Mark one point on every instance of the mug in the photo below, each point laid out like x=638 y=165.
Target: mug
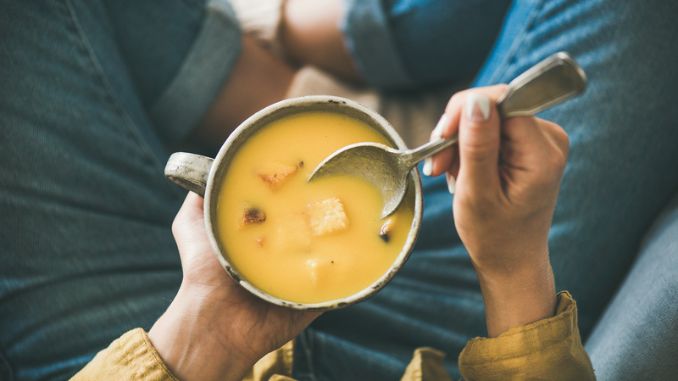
x=203 y=175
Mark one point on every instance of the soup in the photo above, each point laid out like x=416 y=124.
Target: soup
x=306 y=242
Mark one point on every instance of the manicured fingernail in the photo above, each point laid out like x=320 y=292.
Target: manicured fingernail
x=438 y=130
x=477 y=107
x=451 y=183
x=428 y=166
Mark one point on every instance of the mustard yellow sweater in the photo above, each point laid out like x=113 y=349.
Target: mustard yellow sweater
x=548 y=349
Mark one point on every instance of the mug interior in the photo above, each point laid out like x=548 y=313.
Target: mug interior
x=280 y=110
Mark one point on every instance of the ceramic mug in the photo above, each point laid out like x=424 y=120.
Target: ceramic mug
x=203 y=175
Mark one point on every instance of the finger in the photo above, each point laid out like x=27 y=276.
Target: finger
x=523 y=130
x=556 y=134
x=452 y=174
x=433 y=166
x=188 y=227
x=307 y=317
x=556 y=157
x=448 y=126
x=479 y=140
x=535 y=140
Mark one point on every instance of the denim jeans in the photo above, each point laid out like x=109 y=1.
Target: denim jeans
x=621 y=171
x=93 y=96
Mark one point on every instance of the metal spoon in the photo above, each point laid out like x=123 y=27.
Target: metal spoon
x=547 y=83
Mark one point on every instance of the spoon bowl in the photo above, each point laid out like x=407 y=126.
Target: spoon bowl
x=376 y=163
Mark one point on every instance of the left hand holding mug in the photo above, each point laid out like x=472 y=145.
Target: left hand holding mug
x=214 y=329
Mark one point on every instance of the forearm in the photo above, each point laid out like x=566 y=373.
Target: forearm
x=517 y=298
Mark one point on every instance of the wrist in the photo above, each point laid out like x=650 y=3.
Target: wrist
x=517 y=297
x=507 y=257
x=188 y=339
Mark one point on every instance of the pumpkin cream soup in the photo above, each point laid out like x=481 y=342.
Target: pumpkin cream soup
x=301 y=242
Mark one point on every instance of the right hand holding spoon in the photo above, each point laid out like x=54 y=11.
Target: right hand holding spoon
x=505 y=177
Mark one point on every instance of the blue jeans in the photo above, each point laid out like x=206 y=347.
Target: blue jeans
x=621 y=171
x=93 y=97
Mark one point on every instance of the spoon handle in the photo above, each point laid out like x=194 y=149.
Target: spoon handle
x=545 y=84
x=411 y=157
x=551 y=81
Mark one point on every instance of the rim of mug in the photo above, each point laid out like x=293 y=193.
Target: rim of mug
x=259 y=120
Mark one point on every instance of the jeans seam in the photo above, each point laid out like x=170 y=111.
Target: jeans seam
x=109 y=93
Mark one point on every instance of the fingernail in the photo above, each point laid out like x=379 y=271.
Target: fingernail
x=451 y=183
x=428 y=167
x=477 y=107
x=438 y=130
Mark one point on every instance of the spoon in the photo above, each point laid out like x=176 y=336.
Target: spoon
x=545 y=84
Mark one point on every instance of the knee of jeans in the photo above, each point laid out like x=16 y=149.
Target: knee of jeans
x=5 y=369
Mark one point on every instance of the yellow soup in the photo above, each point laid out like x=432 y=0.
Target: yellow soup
x=302 y=242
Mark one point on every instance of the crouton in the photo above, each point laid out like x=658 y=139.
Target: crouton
x=252 y=215
x=326 y=216
x=275 y=174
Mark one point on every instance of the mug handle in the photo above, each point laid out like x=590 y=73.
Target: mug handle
x=189 y=171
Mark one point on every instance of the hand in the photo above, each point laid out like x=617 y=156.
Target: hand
x=507 y=180
x=214 y=329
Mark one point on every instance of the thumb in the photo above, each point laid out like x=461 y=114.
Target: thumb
x=479 y=141
x=189 y=227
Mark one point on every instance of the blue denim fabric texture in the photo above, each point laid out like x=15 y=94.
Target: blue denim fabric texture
x=646 y=303
x=401 y=44
x=86 y=251
x=89 y=94
x=621 y=171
